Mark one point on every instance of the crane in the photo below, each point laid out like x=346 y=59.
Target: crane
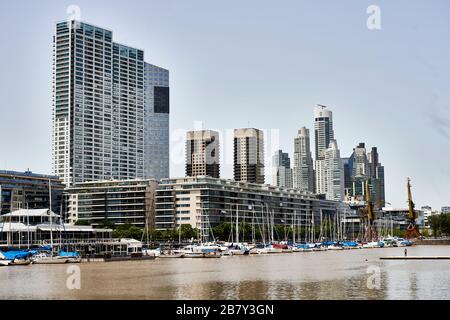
x=412 y=231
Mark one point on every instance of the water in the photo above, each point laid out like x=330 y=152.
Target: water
x=311 y=275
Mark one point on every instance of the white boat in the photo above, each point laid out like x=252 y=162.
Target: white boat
x=3 y=261
x=150 y=252
x=238 y=249
x=370 y=245
x=335 y=247
x=44 y=258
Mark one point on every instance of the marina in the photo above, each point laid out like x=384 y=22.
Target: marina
x=260 y=276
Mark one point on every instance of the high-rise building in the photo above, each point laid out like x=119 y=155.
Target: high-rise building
x=334 y=173
x=99 y=106
x=323 y=131
x=303 y=171
x=347 y=176
x=249 y=155
x=202 y=153
x=282 y=172
x=156 y=139
x=360 y=168
x=364 y=167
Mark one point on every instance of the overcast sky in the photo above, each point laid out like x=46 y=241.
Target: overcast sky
x=235 y=63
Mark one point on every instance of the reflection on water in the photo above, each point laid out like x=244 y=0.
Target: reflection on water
x=316 y=275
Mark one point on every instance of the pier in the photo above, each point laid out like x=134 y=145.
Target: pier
x=416 y=258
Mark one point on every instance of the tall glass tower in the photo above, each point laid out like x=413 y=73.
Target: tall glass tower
x=99 y=108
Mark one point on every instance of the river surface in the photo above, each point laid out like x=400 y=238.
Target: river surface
x=348 y=274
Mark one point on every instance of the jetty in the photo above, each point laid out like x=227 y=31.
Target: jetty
x=416 y=258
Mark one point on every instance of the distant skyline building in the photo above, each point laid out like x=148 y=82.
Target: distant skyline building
x=334 y=173
x=445 y=209
x=362 y=167
x=202 y=153
x=303 y=171
x=282 y=172
x=323 y=132
x=100 y=107
x=249 y=155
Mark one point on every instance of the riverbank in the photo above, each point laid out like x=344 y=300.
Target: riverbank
x=433 y=242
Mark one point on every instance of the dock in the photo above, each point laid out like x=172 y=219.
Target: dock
x=416 y=258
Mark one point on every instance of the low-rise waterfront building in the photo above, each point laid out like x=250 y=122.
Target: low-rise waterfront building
x=204 y=202
x=115 y=202
x=28 y=190
x=28 y=228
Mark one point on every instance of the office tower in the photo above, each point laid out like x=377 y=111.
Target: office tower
x=249 y=155
x=364 y=167
x=376 y=176
x=323 y=127
x=156 y=138
x=347 y=177
x=202 y=153
x=334 y=173
x=303 y=172
x=99 y=109
x=360 y=168
x=323 y=131
x=282 y=172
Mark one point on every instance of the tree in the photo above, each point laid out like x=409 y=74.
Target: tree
x=440 y=224
x=128 y=231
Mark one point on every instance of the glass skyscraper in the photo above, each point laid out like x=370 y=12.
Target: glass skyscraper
x=100 y=107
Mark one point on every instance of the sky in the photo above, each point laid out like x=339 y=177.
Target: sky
x=262 y=64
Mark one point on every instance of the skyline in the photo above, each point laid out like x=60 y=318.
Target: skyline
x=238 y=82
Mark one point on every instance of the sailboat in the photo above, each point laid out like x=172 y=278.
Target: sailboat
x=46 y=257
x=237 y=248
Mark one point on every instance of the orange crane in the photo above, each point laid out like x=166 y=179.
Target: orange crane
x=368 y=214
x=412 y=231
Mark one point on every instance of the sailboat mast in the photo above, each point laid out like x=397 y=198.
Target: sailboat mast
x=50 y=211
x=237 y=223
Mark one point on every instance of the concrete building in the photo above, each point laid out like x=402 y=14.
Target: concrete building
x=334 y=173
x=203 y=202
x=445 y=210
x=21 y=190
x=100 y=116
x=282 y=172
x=114 y=202
x=303 y=171
x=249 y=155
x=428 y=212
x=202 y=153
x=323 y=130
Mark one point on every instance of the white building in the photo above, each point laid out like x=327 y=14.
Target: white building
x=303 y=171
x=323 y=128
x=100 y=116
x=334 y=173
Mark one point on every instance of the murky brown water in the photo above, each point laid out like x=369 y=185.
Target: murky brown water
x=315 y=275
